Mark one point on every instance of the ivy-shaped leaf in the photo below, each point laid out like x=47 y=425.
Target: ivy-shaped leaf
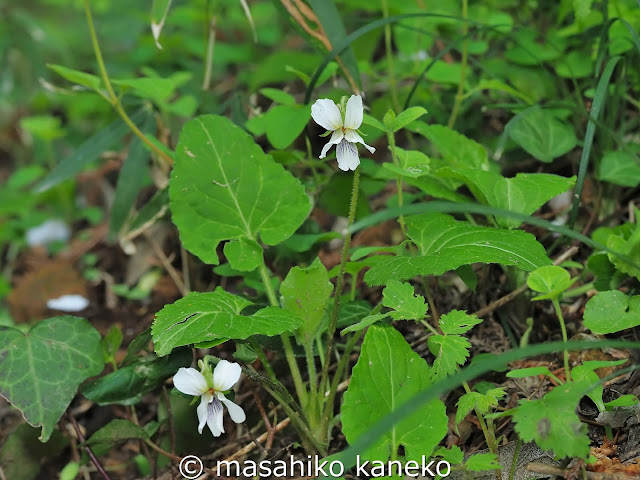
x=401 y=297
x=224 y=187
x=215 y=315
x=40 y=371
x=446 y=243
x=388 y=374
x=552 y=421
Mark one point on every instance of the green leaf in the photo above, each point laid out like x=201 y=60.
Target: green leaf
x=305 y=292
x=622 y=401
x=619 y=168
x=22 y=455
x=40 y=371
x=116 y=431
x=373 y=122
x=285 y=123
x=450 y=351
x=215 y=315
x=541 y=134
x=130 y=383
x=413 y=164
x=223 y=187
x=159 y=12
x=156 y=89
x=552 y=281
x=627 y=242
x=111 y=343
x=552 y=421
x=525 y=193
x=75 y=76
x=364 y=323
x=530 y=372
x=457 y=321
x=401 y=297
x=278 y=96
x=582 y=373
x=481 y=462
x=302 y=242
x=575 y=64
x=244 y=254
x=389 y=373
x=611 y=312
x=408 y=116
x=445 y=244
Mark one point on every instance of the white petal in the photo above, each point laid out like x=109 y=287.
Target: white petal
x=68 y=303
x=49 y=232
x=225 y=375
x=214 y=417
x=347 y=154
x=326 y=114
x=353 y=117
x=190 y=381
x=353 y=137
x=334 y=140
x=235 y=411
x=202 y=413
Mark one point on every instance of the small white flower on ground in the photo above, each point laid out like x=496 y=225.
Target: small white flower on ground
x=68 y=303
x=48 y=232
x=210 y=387
x=344 y=131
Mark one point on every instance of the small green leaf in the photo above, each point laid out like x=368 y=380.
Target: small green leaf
x=111 y=343
x=457 y=321
x=408 y=116
x=373 y=122
x=215 y=315
x=285 y=123
x=446 y=243
x=364 y=323
x=244 y=254
x=552 y=421
x=622 y=401
x=388 y=374
x=223 y=187
x=305 y=292
x=303 y=242
x=156 y=89
x=530 y=372
x=481 y=462
x=620 y=168
x=116 y=431
x=278 y=96
x=401 y=297
x=451 y=351
x=552 y=281
x=75 y=76
x=389 y=120
x=611 y=312
x=413 y=164
x=541 y=134
x=40 y=371
x=582 y=373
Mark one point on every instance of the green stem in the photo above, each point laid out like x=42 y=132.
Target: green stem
x=333 y=318
x=313 y=401
x=112 y=97
x=489 y=436
x=556 y=306
x=392 y=146
x=301 y=391
x=463 y=67
x=390 y=61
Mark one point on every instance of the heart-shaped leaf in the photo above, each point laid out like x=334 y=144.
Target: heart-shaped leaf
x=224 y=187
x=550 y=280
x=215 y=315
x=611 y=312
x=40 y=371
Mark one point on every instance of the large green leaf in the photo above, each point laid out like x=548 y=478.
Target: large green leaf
x=40 y=371
x=611 y=312
x=445 y=244
x=541 y=134
x=389 y=373
x=524 y=193
x=305 y=292
x=620 y=168
x=202 y=317
x=224 y=187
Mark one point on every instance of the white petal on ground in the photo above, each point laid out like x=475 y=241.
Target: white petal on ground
x=347 y=154
x=235 y=411
x=68 y=303
x=353 y=137
x=190 y=381
x=225 y=375
x=335 y=139
x=48 y=232
x=353 y=116
x=326 y=114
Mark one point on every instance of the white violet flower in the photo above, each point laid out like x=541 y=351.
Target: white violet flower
x=344 y=132
x=210 y=387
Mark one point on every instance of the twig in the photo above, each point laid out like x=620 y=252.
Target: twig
x=166 y=264
x=267 y=423
x=250 y=446
x=87 y=449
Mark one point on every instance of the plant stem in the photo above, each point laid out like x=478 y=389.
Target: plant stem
x=389 y=53
x=286 y=343
x=392 y=146
x=112 y=97
x=463 y=67
x=556 y=306
x=489 y=436
x=333 y=318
